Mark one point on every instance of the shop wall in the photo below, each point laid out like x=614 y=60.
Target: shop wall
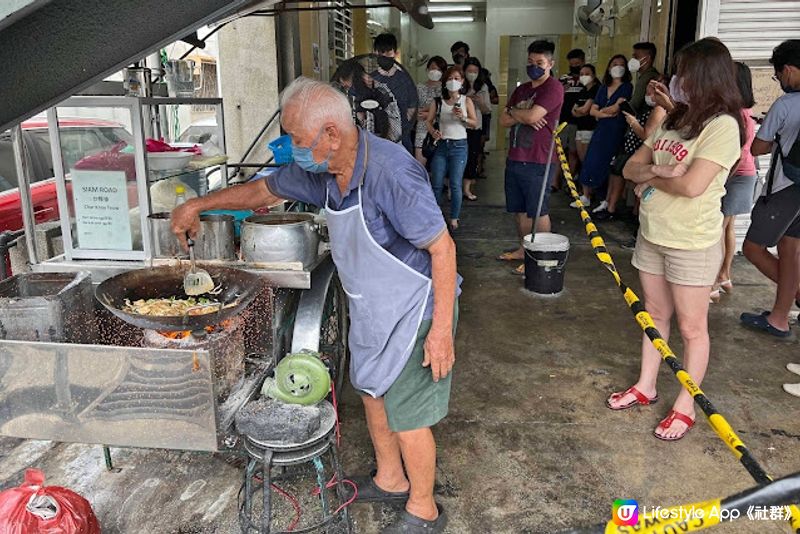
x=505 y=18
x=248 y=75
x=627 y=31
x=437 y=42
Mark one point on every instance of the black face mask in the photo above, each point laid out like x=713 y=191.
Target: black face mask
x=574 y=70
x=458 y=59
x=385 y=63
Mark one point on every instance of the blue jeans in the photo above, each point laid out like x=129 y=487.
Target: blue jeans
x=449 y=160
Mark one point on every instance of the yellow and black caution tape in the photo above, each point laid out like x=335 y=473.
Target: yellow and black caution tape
x=759 y=503
x=717 y=421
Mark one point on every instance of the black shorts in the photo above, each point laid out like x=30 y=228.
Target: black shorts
x=486 y=124
x=775 y=216
x=524 y=183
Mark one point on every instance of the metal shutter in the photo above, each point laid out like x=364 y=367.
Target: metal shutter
x=751 y=29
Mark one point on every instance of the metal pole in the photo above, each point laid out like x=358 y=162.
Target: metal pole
x=22 y=163
x=545 y=184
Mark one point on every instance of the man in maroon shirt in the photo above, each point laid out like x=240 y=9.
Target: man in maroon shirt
x=532 y=113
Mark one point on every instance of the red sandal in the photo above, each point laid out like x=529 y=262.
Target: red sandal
x=666 y=423
x=640 y=398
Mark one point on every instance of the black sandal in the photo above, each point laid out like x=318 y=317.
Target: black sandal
x=368 y=491
x=410 y=524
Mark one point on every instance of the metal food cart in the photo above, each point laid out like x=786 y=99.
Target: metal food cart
x=115 y=384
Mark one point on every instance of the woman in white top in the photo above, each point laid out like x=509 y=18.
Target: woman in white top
x=478 y=92
x=448 y=120
x=427 y=92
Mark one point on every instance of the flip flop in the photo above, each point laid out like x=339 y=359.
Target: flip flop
x=471 y=198
x=640 y=398
x=410 y=524
x=666 y=423
x=519 y=271
x=760 y=323
x=368 y=491
x=507 y=256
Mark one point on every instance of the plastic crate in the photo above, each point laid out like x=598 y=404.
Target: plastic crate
x=282 y=148
x=55 y=307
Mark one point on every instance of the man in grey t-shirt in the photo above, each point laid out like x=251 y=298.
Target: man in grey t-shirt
x=776 y=215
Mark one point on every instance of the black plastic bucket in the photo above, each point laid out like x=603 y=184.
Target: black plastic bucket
x=545 y=263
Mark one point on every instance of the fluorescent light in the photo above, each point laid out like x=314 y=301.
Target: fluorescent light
x=449 y=9
x=375 y=22
x=454 y=19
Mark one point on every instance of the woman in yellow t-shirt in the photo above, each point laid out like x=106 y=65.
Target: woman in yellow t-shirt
x=680 y=174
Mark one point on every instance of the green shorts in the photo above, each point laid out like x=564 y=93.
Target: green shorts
x=415 y=400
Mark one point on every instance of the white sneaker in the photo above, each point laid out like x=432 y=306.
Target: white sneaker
x=794 y=368
x=585 y=201
x=792 y=389
x=600 y=207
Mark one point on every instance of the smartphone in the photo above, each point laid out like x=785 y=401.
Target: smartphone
x=627 y=108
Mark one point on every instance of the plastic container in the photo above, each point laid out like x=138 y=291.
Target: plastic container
x=545 y=263
x=282 y=148
x=180 y=195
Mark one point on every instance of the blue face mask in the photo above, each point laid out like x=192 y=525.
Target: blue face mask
x=304 y=157
x=535 y=72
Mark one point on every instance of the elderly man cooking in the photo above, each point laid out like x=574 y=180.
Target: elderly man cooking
x=397 y=264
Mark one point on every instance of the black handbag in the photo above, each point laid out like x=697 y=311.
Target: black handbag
x=429 y=144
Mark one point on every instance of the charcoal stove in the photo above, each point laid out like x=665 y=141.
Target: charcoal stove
x=142 y=388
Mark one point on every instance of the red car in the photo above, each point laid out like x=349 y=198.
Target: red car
x=79 y=138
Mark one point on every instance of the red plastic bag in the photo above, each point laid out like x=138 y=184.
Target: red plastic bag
x=111 y=160
x=34 y=508
x=158 y=145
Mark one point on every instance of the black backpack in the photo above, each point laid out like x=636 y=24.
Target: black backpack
x=789 y=162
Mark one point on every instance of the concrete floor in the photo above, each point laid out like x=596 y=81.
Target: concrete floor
x=529 y=446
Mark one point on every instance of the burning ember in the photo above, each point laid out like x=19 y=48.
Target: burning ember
x=211 y=329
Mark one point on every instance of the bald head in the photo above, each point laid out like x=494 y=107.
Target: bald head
x=309 y=105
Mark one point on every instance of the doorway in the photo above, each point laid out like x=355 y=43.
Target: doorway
x=683 y=28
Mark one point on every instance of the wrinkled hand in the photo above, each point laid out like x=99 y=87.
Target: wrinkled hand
x=538 y=125
x=440 y=354
x=185 y=219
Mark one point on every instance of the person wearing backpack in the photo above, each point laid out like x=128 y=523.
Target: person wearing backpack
x=776 y=215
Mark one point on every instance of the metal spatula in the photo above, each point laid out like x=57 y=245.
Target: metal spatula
x=197 y=281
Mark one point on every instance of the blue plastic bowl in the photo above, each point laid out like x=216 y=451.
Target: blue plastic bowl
x=282 y=148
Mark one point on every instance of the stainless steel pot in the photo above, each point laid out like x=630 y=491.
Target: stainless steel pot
x=214 y=242
x=280 y=237
x=165 y=244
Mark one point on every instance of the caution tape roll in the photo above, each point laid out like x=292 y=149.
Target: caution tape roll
x=646 y=323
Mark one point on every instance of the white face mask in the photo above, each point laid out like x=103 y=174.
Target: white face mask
x=585 y=80
x=649 y=101
x=617 y=71
x=472 y=76
x=434 y=75
x=634 y=64
x=453 y=85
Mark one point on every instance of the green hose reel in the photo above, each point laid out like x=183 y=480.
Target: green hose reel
x=300 y=378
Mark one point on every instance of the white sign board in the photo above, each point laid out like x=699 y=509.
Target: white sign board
x=101 y=210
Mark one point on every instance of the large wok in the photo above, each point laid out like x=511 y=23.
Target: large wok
x=239 y=288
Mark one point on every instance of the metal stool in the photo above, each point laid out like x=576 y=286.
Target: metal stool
x=280 y=454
